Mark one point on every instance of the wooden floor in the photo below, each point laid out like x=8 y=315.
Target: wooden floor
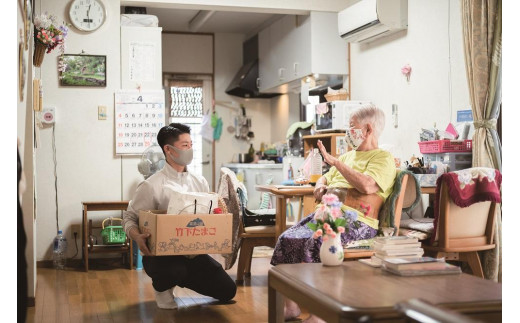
x=122 y=295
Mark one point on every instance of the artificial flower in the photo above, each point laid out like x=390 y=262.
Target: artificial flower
x=329 y=219
x=406 y=70
x=49 y=33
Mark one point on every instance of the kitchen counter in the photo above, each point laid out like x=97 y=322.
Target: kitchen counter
x=253 y=166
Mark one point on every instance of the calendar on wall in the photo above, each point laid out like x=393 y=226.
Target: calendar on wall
x=139 y=115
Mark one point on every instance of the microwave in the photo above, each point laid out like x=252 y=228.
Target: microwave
x=334 y=117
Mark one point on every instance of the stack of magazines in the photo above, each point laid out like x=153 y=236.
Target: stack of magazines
x=394 y=247
x=419 y=266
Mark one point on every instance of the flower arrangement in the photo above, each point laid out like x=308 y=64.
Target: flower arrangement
x=49 y=33
x=330 y=218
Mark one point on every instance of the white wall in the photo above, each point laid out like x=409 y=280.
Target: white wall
x=228 y=60
x=433 y=46
x=285 y=111
x=87 y=169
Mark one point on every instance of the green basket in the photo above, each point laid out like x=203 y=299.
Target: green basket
x=113 y=234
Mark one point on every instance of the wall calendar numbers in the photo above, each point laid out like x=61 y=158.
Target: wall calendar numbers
x=139 y=115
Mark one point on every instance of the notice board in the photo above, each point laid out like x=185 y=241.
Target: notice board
x=139 y=115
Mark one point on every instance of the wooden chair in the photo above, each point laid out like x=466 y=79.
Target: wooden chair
x=251 y=237
x=462 y=232
x=406 y=198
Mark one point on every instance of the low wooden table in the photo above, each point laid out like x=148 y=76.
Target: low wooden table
x=352 y=290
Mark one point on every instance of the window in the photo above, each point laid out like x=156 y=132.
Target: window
x=190 y=99
x=186 y=107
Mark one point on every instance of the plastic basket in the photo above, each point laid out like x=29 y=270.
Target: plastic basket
x=113 y=234
x=445 y=146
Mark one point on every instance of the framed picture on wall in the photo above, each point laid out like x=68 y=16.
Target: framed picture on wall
x=82 y=70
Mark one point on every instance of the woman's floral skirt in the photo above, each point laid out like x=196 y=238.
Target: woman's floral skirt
x=296 y=245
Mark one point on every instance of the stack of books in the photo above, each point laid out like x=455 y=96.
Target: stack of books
x=394 y=247
x=419 y=266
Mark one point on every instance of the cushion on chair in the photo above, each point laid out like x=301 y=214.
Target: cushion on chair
x=414 y=234
x=412 y=198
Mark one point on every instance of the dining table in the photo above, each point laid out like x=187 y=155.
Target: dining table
x=282 y=193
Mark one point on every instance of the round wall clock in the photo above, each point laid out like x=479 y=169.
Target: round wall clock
x=87 y=15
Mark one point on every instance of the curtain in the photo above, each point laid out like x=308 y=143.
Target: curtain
x=482 y=33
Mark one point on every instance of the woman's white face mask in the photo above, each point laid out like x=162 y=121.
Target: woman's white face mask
x=354 y=137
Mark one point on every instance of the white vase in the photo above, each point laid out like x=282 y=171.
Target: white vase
x=331 y=251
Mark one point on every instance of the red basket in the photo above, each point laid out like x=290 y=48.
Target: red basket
x=444 y=146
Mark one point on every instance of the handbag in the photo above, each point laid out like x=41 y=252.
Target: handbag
x=251 y=218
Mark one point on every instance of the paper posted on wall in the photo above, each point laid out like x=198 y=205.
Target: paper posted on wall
x=191 y=202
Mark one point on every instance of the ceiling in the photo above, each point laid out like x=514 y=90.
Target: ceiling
x=207 y=21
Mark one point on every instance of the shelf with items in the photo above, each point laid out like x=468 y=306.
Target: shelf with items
x=334 y=143
x=90 y=245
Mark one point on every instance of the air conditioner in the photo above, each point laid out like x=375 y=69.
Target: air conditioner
x=368 y=20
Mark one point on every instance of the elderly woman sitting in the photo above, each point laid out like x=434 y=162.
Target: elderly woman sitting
x=362 y=178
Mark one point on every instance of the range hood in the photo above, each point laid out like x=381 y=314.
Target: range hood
x=244 y=83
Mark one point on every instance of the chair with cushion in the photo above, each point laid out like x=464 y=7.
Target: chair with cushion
x=252 y=236
x=405 y=196
x=464 y=210
x=248 y=231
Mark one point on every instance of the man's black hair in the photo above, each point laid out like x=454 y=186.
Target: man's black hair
x=169 y=134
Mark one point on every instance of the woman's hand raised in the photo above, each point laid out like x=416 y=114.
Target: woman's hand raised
x=328 y=158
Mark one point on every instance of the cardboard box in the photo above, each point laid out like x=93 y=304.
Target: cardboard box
x=186 y=234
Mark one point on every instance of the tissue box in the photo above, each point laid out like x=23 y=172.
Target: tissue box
x=427 y=180
x=186 y=234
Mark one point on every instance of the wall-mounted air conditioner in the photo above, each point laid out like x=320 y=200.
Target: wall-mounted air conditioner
x=368 y=20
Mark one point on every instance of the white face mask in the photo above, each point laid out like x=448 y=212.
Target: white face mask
x=185 y=156
x=354 y=137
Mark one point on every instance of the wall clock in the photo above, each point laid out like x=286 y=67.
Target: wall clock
x=87 y=15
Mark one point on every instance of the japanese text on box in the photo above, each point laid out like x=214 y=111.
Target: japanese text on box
x=139 y=115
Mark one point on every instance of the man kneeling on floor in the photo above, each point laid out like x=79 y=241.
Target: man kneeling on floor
x=200 y=273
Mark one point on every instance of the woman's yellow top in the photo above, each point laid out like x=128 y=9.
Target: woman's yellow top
x=378 y=164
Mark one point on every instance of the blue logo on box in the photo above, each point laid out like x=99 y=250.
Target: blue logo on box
x=464 y=116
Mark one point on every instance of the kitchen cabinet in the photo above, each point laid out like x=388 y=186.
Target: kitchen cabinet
x=297 y=46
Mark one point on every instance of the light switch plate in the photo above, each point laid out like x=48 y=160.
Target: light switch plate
x=102 y=112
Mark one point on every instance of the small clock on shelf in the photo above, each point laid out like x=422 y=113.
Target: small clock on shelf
x=87 y=15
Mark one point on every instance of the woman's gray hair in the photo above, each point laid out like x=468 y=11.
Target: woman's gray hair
x=370 y=114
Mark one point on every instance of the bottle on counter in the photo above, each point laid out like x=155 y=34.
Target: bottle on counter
x=290 y=172
x=251 y=154
x=262 y=150
x=316 y=166
x=59 y=251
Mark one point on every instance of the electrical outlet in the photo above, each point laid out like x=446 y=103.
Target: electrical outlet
x=75 y=228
